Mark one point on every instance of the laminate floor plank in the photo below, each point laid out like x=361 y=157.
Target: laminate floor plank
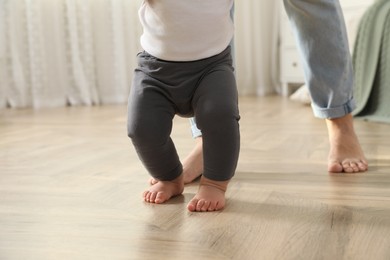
x=71 y=185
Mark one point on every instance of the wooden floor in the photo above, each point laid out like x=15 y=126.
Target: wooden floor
x=71 y=184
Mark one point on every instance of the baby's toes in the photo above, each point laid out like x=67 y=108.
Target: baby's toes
x=199 y=205
x=205 y=206
x=160 y=198
x=192 y=205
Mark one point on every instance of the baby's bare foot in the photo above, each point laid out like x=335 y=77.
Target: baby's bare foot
x=162 y=191
x=346 y=154
x=192 y=164
x=210 y=196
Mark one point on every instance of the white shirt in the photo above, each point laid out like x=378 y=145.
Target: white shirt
x=185 y=30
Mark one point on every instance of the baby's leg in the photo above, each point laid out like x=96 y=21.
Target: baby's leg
x=216 y=112
x=150 y=117
x=210 y=196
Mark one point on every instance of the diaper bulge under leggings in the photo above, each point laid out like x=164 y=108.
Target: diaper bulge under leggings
x=205 y=89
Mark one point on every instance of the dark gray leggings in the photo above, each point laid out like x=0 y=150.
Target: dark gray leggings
x=205 y=89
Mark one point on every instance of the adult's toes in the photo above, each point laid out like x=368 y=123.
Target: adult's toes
x=335 y=167
x=347 y=167
x=354 y=166
x=362 y=166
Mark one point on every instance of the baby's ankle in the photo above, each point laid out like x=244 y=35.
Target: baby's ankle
x=220 y=185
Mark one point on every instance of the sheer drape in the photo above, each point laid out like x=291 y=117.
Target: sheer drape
x=71 y=52
x=54 y=53
x=256 y=39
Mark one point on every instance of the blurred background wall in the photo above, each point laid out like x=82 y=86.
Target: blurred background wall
x=69 y=52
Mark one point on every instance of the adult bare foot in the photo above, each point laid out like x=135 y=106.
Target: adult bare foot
x=192 y=164
x=346 y=154
x=162 y=191
x=210 y=196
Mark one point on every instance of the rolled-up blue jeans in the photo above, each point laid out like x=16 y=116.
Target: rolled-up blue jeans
x=320 y=32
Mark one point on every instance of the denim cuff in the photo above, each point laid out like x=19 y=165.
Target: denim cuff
x=194 y=129
x=334 y=112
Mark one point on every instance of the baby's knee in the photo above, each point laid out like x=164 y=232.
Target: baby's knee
x=133 y=132
x=219 y=116
x=146 y=134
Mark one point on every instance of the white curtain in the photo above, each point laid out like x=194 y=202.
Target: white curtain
x=256 y=39
x=72 y=52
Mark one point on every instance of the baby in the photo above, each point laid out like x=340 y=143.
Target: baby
x=186 y=70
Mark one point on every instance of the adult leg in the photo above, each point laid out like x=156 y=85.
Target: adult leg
x=150 y=117
x=320 y=31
